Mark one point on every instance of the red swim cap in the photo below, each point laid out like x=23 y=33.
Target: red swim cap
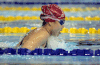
x=51 y=13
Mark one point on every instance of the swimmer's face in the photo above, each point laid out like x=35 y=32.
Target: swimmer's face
x=56 y=28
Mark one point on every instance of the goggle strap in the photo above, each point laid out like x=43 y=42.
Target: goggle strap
x=50 y=18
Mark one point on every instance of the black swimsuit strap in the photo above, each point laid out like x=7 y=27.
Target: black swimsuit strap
x=22 y=40
x=45 y=45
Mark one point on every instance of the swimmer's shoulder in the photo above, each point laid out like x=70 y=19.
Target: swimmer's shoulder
x=32 y=32
x=25 y=37
x=37 y=30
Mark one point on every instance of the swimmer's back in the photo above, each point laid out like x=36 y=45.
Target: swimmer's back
x=25 y=37
x=31 y=36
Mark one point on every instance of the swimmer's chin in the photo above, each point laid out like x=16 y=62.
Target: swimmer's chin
x=56 y=35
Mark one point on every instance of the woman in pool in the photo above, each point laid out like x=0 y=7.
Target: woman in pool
x=53 y=19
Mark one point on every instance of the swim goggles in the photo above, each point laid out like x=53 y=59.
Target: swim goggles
x=60 y=21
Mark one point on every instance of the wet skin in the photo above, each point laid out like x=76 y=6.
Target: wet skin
x=39 y=36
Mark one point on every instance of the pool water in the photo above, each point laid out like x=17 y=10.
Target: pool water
x=11 y=40
x=50 y=59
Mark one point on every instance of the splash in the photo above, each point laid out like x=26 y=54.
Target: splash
x=55 y=42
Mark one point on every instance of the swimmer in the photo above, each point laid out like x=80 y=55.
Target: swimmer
x=53 y=22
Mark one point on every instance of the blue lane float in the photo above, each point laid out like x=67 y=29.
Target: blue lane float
x=1 y=51
x=50 y=52
x=44 y=3
x=80 y=52
x=89 y=52
x=23 y=51
x=10 y=51
x=61 y=52
x=73 y=52
x=36 y=52
x=97 y=52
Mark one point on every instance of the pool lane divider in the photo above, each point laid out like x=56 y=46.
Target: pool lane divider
x=64 y=30
x=30 y=18
x=49 y=52
x=65 y=9
x=45 y=3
